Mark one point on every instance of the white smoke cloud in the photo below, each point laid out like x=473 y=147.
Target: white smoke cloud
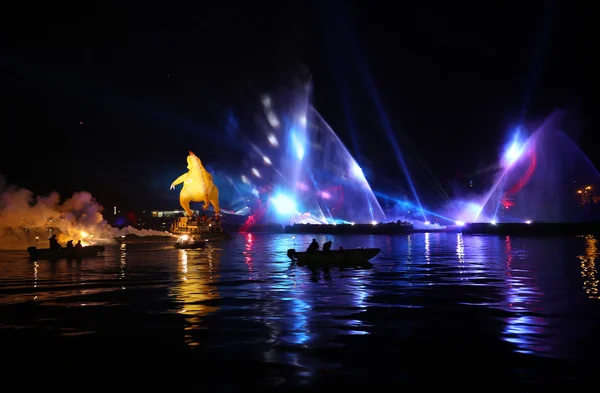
x=25 y=216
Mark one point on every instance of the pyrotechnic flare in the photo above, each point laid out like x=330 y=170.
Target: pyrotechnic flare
x=25 y=218
x=198 y=186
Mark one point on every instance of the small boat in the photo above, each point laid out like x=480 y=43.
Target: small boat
x=64 y=253
x=190 y=245
x=184 y=242
x=350 y=256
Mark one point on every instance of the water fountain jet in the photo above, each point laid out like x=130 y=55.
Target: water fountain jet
x=548 y=178
x=302 y=160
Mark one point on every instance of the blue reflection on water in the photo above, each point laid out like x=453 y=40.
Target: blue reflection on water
x=360 y=293
x=524 y=330
x=300 y=331
x=244 y=295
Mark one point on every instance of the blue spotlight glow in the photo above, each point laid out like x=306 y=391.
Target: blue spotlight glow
x=357 y=171
x=514 y=151
x=298 y=146
x=302 y=171
x=284 y=204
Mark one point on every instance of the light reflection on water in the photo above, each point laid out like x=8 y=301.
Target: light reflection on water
x=245 y=295
x=589 y=272
x=523 y=329
x=195 y=291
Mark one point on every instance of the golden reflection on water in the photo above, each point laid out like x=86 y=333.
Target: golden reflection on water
x=123 y=263
x=35 y=278
x=589 y=272
x=43 y=277
x=197 y=271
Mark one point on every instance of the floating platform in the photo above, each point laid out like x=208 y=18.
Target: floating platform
x=350 y=229
x=200 y=229
x=532 y=229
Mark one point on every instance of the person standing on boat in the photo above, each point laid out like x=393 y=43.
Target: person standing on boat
x=78 y=245
x=314 y=246
x=54 y=243
x=70 y=245
x=327 y=246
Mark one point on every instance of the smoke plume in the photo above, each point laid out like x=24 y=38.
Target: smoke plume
x=25 y=217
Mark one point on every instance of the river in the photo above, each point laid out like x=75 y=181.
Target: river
x=433 y=309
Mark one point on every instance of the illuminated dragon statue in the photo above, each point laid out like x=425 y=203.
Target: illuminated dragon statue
x=198 y=186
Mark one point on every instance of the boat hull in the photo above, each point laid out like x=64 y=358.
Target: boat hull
x=190 y=246
x=350 y=256
x=63 y=253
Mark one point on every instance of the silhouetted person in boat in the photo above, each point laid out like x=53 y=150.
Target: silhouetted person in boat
x=78 y=245
x=70 y=245
x=341 y=248
x=314 y=246
x=327 y=246
x=54 y=243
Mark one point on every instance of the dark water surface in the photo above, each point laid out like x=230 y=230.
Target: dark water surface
x=439 y=309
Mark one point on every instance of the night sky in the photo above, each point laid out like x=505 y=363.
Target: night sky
x=109 y=99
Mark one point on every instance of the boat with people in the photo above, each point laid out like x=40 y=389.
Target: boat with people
x=185 y=242
x=341 y=256
x=64 y=253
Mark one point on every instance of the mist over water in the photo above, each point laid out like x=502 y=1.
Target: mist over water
x=25 y=216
